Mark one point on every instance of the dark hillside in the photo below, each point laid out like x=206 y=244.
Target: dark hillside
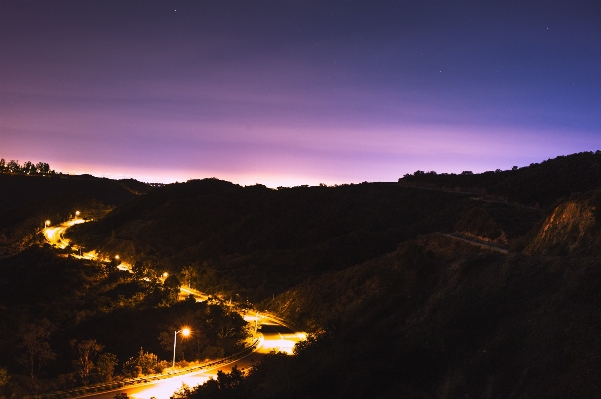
x=438 y=318
x=20 y=191
x=447 y=286
x=77 y=299
x=26 y=201
x=538 y=184
x=135 y=186
x=443 y=315
x=256 y=241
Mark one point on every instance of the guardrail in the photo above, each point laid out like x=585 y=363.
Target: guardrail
x=89 y=390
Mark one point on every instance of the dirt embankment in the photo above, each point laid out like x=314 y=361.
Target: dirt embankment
x=569 y=228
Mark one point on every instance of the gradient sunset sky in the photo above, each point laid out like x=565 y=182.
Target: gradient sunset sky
x=297 y=92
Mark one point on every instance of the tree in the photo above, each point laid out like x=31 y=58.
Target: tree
x=86 y=352
x=13 y=166
x=4 y=377
x=2 y=165
x=106 y=366
x=172 y=282
x=171 y=286
x=145 y=363
x=166 y=340
x=189 y=275
x=142 y=269
x=227 y=385
x=37 y=349
x=42 y=168
x=28 y=168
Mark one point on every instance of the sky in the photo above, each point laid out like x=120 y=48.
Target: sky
x=297 y=92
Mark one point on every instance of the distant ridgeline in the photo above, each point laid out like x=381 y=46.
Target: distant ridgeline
x=538 y=184
x=28 y=168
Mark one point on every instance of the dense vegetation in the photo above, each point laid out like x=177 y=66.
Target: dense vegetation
x=257 y=242
x=538 y=184
x=54 y=308
x=441 y=285
x=28 y=167
x=440 y=319
x=26 y=201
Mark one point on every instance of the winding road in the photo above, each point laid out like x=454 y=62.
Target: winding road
x=275 y=336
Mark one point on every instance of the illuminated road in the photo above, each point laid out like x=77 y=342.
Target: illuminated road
x=275 y=337
x=55 y=234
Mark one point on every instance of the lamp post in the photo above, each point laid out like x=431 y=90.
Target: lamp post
x=77 y=213
x=185 y=332
x=46 y=223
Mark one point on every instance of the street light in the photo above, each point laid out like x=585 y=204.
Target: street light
x=77 y=213
x=185 y=332
x=47 y=223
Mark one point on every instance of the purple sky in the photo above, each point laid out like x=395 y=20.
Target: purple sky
x=296 y=92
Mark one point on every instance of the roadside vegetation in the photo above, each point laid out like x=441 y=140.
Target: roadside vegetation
x=65 y=322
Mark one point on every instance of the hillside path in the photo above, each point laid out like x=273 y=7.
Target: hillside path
x=477 y=243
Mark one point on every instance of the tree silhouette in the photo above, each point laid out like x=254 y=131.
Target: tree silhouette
x=106 y=366
x=86 y=351
x=37 y=349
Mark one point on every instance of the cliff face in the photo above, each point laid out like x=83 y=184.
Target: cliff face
x=569 y=229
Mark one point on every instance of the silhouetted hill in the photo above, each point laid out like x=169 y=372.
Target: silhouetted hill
x=135 y=186
x=27 y=201
x=23 y=195
x=255 y=241
x=538 y=184
x=449 y=286
x=441 y=318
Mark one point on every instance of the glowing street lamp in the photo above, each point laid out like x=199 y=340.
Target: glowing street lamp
x=185 y=332
x=77 y=213
x=165 y=275
x=117 y=257
x=47 y=223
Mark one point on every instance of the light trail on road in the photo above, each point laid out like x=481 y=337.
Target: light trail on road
x=55 y=234
x=276 y=337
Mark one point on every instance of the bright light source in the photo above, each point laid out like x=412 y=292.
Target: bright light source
x=117 y=257
x=165 y=275
x=47 y=222
x=186 y=332
x=77 y=213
